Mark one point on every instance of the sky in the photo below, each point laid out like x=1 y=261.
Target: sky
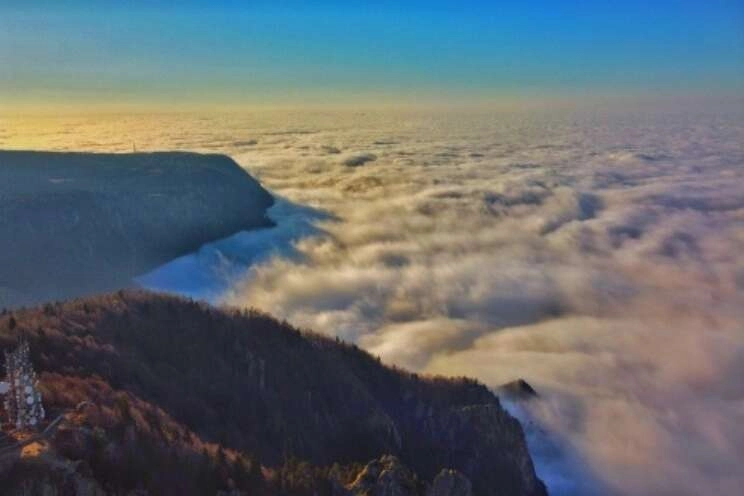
x=232 y=53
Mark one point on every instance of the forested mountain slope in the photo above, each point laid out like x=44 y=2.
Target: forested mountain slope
x=174 y=384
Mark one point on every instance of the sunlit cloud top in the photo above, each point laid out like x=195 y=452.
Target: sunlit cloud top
x=240 y=52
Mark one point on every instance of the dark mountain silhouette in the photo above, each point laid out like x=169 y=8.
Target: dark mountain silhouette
x=81 y=223
x=518 y=389
x=184 y=398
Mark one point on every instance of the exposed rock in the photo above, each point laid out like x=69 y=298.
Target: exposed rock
x=450 y=483
x=385 y=477
x=518 y=390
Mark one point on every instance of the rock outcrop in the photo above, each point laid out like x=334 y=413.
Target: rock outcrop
x=82 y=223
x=385 y=477
x=518 y=390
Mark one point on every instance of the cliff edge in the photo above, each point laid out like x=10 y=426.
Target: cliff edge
x=81 y=223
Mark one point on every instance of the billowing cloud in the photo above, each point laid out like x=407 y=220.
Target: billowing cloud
x=600 y=258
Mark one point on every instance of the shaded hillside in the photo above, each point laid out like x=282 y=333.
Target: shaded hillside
x=258 y=387
x=81 y=223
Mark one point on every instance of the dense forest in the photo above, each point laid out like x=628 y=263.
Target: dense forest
x=170 y=396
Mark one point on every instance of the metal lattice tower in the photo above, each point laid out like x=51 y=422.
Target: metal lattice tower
x=23 y=399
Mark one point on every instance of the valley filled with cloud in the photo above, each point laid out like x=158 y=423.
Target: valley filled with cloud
x=599 y=256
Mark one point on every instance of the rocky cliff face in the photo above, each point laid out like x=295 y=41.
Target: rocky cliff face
x=387 y=476
x=80 y=223
x=172 y=375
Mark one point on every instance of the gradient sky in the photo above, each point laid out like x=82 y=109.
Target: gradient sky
x=253 y=52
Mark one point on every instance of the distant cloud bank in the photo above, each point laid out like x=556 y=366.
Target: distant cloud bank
x=600 y=257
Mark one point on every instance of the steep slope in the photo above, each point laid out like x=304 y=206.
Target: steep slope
x=250 y=384
x=81 y=223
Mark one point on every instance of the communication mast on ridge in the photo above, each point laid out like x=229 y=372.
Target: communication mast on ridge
x=22 y=397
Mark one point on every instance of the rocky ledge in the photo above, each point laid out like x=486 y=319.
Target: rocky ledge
x=389 y=477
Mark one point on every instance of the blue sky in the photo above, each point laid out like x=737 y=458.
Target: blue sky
x=229 y=51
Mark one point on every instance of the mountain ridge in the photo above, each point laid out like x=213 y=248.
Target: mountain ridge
x=85 y=223
x=242 y=383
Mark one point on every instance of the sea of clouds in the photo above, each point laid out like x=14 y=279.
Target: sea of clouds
x=598 y=255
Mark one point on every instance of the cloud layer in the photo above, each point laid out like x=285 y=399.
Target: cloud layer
x=600 y=257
